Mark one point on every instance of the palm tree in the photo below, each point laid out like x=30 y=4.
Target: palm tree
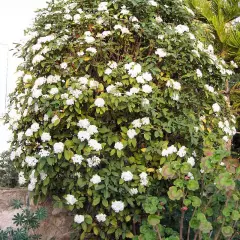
x=222 y=17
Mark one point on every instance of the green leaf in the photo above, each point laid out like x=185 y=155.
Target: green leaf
x=68 y=154
x=154 y=220
x=96 y=201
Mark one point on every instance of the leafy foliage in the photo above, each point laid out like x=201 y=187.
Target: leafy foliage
x=8 y=172
x=26 y=222
x=118 y=108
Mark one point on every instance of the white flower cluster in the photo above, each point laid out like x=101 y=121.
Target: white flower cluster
x=77 y=159
x=216 y=108
x=45 y=137
x=209 y=88
x=33 y=181
x=127 y=176
x=99 y=102
x=93 y=161
x=71 y=200
x=174 y=84
x=117 y=206
x=95 y=179
x=180 y=29
x=226 y=128
x=131 y=133
x=58 y=147
x=87 y=133
x=190 y=175
x=101 y=217
x=161 y=52
x=21 y=178
x=182 y=151
x=79 y=219
x=133 y=191
x=143 y=179
x=31 y=161
x=118 y=146
x=170 y=150
x=191 y=161
x=44 y=153
x=138 y=123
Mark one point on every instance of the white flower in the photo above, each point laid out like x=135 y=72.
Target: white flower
x=35 y=127
x=161 y=52
x=147 y=76
x=137 y=123
x=46 y=137
x=225 y=138
x=143 y=179
x=31 y=161
x=92 y=50
x=58 y=147
x=127 y=176
x=191 y=161
x=140 y=79
x=108 y=71
x=102 y=6
x=190 y=175
x=95 y=179
x=20 y=136
x=83 y=135
x=83 y=123
x=80 y=53
x=95 y=145
x=94 y=161
x=117 y=206
x=99 y=102
x=118 y=146
x=68 y=17
x=153 y=3
x=70 y=102
x=145 y=102
x=131 y=133
x=29 y=132
x=145 y=121
x=158 y=19
x=71 y=200
x=36 y=93
x=77 y=158
x=38 y=58
x=216 y=107
x=133 y=191
x=147 y=88
x=53 y=91
x=92 y=129
x=234 y=64
x=30 y=101
x=44 y=153
x=83 y=80
x=181 y=29
x=89 y=39
x=112 y=65
x=21 y=178
x=199 y=73
x=54 y=119
x=209 y=88
x=222 y=164
x=101 y=217
x=27 y=77
x=13 y=155
x=202 y=171
x=64 y=65
x=132 y=91
x=175 y=96
x=182 y=151
x=93 y=84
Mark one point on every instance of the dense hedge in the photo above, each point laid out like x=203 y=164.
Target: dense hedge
x=116 y=104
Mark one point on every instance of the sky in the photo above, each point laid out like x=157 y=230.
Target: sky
x=15 y=16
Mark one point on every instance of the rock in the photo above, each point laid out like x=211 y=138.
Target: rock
x=56 y=226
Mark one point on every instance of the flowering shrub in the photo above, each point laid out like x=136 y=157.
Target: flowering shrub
x=117 y=110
